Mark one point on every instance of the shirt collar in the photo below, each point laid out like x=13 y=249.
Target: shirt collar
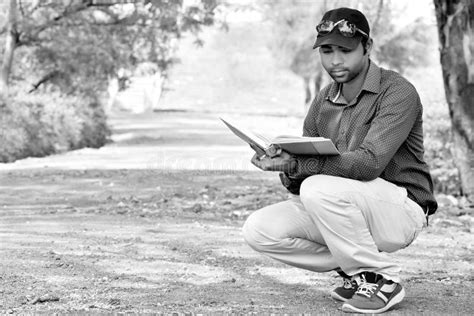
x=371 y=83
x=372 y=80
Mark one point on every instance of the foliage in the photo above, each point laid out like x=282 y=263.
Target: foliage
x=406 y=48
x=438 y=151
x=64 y=54
x=47 y=124
x=76 y=45
x=292 y=24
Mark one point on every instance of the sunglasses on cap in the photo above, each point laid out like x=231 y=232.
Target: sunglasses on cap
x=346 y=28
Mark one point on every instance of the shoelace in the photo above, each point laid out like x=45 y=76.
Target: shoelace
x=366 y=289
x=347 y=284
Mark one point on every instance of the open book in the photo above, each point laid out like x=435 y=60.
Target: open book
x=298 y=145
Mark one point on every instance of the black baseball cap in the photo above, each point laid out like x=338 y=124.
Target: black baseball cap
x=335 y=37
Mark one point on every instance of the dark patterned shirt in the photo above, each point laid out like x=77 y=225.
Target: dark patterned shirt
x=379 y=134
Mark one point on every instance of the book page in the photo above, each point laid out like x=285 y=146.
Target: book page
x=264 y=139
x=248 y=136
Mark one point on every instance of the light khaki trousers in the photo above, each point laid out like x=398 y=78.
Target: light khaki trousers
x=338 y=223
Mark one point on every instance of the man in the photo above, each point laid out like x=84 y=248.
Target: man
x=372 y=199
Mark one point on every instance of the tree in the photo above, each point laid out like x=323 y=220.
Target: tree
x=456 y=36
x=76 y=44
x=10 y=45
x=292 y=40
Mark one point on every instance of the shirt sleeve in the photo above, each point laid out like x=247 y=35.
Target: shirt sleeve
x=387 y=131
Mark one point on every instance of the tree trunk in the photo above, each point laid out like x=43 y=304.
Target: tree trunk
x=10 y=45
x=455 y=28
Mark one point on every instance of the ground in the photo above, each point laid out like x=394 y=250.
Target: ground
x=124 y=229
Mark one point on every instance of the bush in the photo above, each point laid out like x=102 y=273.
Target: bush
x=40 y=125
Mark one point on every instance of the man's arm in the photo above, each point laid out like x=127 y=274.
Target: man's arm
x=286 y=163
x=309 y=126
x=388 y=130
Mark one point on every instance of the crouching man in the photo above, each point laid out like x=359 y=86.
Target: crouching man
x=349 y=211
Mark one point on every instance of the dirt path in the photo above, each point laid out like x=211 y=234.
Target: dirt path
x=80 y=238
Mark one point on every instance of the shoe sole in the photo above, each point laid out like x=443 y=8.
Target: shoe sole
x=394 y=301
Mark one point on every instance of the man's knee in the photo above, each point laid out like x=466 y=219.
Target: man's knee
x=319 y=191
x=314 y=187
x=250 y=231
x=266 y=229
x=321 y=183
x=257 y=233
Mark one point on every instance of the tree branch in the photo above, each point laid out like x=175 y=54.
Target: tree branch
x=72 y=8
x=44 y=79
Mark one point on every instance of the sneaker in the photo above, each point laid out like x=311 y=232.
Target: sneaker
x=347 y=290
x=374 y=295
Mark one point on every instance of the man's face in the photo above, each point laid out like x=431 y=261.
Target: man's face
x=341 y=63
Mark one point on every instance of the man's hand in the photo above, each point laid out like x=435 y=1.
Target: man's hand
x=283 y=162
x=291 y=184
x=260 y=152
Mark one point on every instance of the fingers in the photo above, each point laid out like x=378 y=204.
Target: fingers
x=272 y=164
x=263 y=163
x=255 y=160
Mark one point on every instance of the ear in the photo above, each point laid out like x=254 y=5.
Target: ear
x=369 y=45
